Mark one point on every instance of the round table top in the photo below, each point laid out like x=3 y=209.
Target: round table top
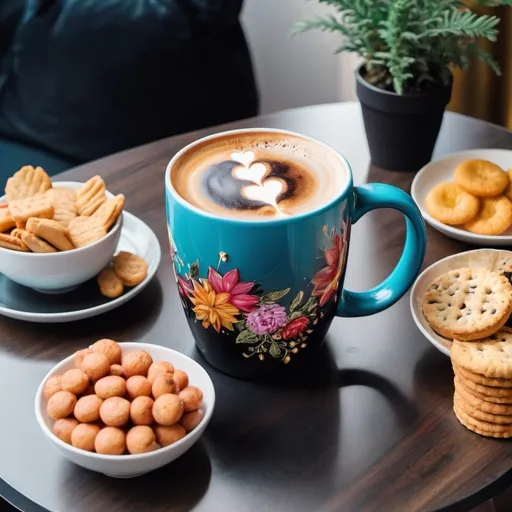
x=371 y=425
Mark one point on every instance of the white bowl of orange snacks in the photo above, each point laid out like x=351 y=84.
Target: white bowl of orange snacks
x=468 y=196
x=124 y=409
x=56 y=236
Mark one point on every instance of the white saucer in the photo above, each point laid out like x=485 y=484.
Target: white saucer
x=442 y=170
x=478 y=258
x=23 y=303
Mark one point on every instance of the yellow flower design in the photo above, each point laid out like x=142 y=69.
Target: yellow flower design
x=211 y=307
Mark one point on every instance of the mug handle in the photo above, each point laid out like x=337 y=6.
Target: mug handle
x=373 y=196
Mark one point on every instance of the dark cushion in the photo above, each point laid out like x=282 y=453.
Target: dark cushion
x=14 y=155
x=85 y=78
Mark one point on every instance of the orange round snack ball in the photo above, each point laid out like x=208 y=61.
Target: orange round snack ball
x=116 y=369
x=140 y=439
x=163 y=383
x=110 y=386
x=115 y=411
x=61 y=405
x=52 y=385
x=79 y=357
x=159 y=367
x=87 y=409
x=110 y=441
x=181 y=379
x=110 y=348
x=169 y=435
x=75 y=381
x=64 y=427
x=96 y=365
x=84 y=435
x=136 y=363
x=138 y=386
x=192 y=398
x=190 y=420
x=141 y=410
x=167 y=409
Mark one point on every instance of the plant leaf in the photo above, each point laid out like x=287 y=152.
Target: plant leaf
x=296 y=314
x=309 y=306
x=194 y=270
x=296 y=302
x=275 y=350
x=247 y=337
x=274 y=296
x=239 y=326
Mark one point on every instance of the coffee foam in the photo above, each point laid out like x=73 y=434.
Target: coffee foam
x=258 y=175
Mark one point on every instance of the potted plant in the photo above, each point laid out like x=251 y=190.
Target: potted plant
x=404 y=82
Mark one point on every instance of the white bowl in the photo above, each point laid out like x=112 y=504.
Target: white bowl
x=127 y=466
x=478 y=258
x=442 y=170
x=61 y=271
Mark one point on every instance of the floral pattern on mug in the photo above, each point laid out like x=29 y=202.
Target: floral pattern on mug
x=260 y=321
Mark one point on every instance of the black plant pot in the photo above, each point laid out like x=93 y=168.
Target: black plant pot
x=401 y=130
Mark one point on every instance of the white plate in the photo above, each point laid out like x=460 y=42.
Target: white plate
x=478 y=258
x=442 y=170
x=23 y=303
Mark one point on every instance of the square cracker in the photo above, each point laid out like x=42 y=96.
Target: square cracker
x=13 y=243
x=36 y=206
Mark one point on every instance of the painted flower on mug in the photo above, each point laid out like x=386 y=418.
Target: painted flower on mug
x=211 y=307
x=295 y=327
x=259 y=321
x=327 y=279
x=238 y=291
x=266 y=319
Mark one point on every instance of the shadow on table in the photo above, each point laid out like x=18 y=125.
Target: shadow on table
x=177 y=486
x=125 y=323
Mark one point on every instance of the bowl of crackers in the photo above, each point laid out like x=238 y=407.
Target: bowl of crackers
x=463 y=306
x=124 y=409
x=468 y=196
x=56 y=236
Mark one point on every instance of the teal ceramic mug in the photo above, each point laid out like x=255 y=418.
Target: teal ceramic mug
x=260 y=296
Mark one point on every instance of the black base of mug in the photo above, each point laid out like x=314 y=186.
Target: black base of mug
x=401 y=129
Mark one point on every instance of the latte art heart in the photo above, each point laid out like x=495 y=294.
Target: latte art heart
x=258 y=175
x=255 y=173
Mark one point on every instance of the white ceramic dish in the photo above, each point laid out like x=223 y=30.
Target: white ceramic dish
x=442 y=170
x=62 y=271
x=86 y=301
x=127 y=466
x=478 y=258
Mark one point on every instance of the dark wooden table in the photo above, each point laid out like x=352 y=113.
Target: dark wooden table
x=371 y=427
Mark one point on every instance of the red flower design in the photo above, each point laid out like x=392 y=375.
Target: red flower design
x=294 y=328
x=184 y=287
x=326 y=280
x=238 y=291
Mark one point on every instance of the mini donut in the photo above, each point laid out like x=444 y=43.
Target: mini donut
x=140 y=439
x=96 y=365
x=110 y=386
x=110 y=441
x=115 y=411
x=84 y=435
x=159 y=367
x=192 y=398
x=136 y=363
x=450 y=204
x=137 y=386
x=61 y=405
x=494 y=217
x=181 y=379
x=51 y=386
x=64 y=427
x=481 y=178
x=87 y=409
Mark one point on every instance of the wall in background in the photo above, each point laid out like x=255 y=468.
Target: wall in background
x=298 y=71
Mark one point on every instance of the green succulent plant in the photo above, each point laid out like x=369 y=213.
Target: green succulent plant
x=410 y=45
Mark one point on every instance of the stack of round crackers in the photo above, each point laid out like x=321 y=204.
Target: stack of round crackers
x=479 y=200
x=471 y=306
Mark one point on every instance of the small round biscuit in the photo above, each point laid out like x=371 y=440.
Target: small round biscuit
x=450 y=204
x=132 y=269
x=494 y=217
x=468 y=304
x=478 y=403
x=481 y=178
x=483 y=428
x=474 y=412
x=110 y=284
x=478 y=378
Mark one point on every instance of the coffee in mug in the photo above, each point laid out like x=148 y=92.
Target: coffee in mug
x=258 y=176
